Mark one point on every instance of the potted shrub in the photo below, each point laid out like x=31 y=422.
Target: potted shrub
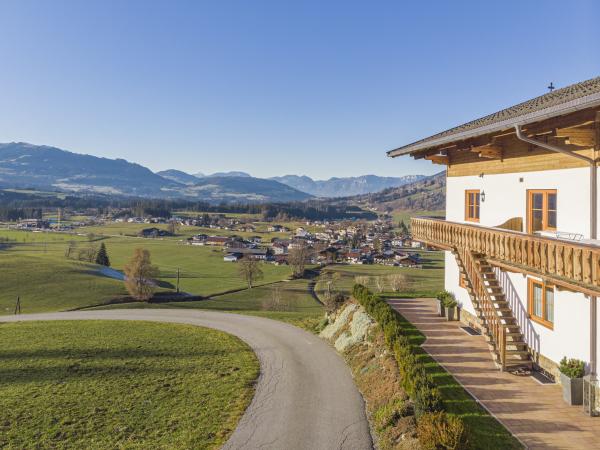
x=441 y=297
x=571 y=379
x=450 y=304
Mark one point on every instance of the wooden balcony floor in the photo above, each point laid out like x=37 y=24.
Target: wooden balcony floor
x=534 y=413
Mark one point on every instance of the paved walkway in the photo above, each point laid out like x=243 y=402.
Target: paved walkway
x=535 y=413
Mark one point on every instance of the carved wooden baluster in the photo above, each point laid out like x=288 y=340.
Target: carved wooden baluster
x=577 y=269
x=586 y=262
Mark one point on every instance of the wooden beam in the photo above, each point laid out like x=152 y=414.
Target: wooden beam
x=582 y=136
x=488 y=151
x=438 y=159
x=584 y=117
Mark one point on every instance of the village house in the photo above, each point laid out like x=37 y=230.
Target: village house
x=521 y=227
x=33 y=224
x=217 y=240
x=280 y=247
x=255 y=253
x=153 y=232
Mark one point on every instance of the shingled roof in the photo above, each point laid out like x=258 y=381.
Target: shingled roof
x=561 y=101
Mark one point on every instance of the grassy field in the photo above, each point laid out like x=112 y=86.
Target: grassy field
x=298 y=308
x=99 y=384
x=423 y=282
x=485 y=432
x=36 y=269
x=49 y=284
x=397 y=216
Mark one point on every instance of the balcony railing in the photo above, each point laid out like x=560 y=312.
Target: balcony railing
x=573 y=265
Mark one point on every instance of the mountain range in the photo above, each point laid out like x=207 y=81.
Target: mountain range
x=425 y=194
x=337 y=187
x=41 y=167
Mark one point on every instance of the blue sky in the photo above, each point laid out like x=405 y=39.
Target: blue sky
x=321 y=88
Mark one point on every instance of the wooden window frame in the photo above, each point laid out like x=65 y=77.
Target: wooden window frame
x=545 y=192
x=531 y=282
x=468 y=217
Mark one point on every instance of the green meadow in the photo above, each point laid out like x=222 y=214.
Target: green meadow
x=419 y=282
x=34 y=267
x=298 y=306
x=135 y=385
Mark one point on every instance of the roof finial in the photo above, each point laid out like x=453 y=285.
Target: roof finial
x=551 y=87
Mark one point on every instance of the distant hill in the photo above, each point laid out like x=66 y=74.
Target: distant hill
x=224 y=174
x=425 y=194
x=39 y=166
x=42 y=167
x=243 y=189
x=338 y=187
x=178 y=176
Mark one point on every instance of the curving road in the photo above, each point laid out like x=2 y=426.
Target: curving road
x=305 y=396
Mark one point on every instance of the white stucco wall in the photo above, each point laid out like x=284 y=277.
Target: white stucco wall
x=506 y=197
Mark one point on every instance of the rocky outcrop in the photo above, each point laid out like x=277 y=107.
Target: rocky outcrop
x=348 y=327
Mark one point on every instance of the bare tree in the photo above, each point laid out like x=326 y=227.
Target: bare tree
x=173 y=227
x=379 y=283
x=276 y=301
x=140 y=274
x=362 y=279
x=397 y=281
x=70 y=250
x=88 y=254
x=250 y=270
x=298 y=257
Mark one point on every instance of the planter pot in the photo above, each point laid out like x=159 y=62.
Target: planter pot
x=572 y=389
x=451 y=313
x=441 y=309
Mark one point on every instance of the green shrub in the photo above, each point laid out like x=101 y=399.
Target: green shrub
x=438 y=431
x=442 y=295
x=390 y=413
x=573 y=368
x=427 y=400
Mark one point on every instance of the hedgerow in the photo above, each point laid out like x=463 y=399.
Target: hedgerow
x=419 y=385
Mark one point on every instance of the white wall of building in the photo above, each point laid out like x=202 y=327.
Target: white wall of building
x=505 y=198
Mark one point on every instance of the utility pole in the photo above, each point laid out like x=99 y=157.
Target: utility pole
x=178 y=280
x=18 y=305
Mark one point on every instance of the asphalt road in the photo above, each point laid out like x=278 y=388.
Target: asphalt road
x=305 y=396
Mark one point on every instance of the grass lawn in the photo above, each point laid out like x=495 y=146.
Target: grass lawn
x=45 y=283
x=99 y=384
x=299 y=307
x=399 y=215
x=485 y=432
x=423 y=282
x=35 y=267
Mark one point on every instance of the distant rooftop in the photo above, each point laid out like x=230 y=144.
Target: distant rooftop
x=560 y=101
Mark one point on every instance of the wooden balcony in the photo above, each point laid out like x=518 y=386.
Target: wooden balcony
x=568 y=264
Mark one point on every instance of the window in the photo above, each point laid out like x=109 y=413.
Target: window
x=541 y=210
x=541 y=302
x=472 y=198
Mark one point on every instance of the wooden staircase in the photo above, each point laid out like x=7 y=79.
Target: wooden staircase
x=496 y=320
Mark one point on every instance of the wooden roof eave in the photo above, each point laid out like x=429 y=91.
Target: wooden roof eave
x=525 y=120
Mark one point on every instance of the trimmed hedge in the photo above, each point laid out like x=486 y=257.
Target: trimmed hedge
x=419 y=386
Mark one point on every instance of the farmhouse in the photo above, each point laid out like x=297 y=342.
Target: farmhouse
x=153 y=232
x=521 y=228
x=217 y=240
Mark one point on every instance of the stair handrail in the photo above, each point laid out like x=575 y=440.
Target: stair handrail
x=496 y=328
